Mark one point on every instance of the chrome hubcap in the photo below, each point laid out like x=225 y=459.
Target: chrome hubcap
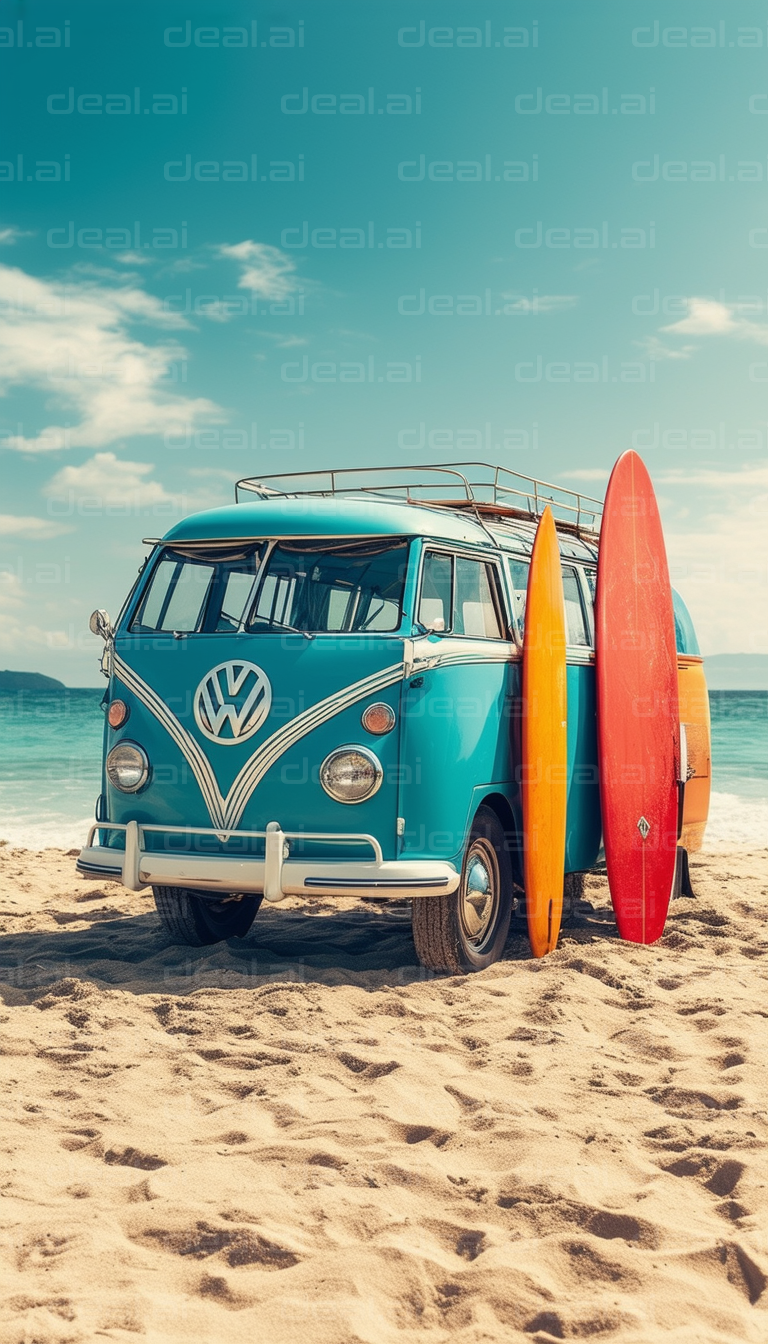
x=479 y=897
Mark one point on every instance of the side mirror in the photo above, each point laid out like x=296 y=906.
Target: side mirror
x=100 y=624
x=435 y=627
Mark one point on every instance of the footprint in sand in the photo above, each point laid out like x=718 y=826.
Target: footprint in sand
x=421 y=1133
x=366 y=1068
x=690 y=1104
x=237 y=1246
x=721 y=1178
x=132 y=1157
x=80 y=1139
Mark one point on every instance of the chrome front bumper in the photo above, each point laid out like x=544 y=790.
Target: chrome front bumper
x=277 y=875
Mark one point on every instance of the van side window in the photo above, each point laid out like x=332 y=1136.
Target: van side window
x=518 y=578
x=474 y=609
x=591 y=576
x=461 y=593
x=436 y=590
x=575 y=619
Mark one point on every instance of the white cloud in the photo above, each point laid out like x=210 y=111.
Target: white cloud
x=134 y=258
x=721 y=564
x=705 y=317
x=12 y=235
x=265 y=270
x=282 y=340
x=19 y=635
x=114 y=486
x=585 y=474
x=541 y=303
x=30 y=528
x=111 y=483
x=656 y=349
x=746 y=478
x=75 y=344
x=11 y=591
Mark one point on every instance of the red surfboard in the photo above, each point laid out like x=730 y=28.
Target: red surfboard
x=637 y=704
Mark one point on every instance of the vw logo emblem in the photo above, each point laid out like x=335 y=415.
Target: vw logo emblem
x=231 y=702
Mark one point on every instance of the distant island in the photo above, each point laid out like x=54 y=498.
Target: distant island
x=29 y=681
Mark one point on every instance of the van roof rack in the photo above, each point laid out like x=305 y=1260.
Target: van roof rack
x=478 y=487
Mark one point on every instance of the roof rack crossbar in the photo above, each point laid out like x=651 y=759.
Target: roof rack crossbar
x=449 y=485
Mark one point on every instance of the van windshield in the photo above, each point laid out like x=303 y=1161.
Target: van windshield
x=263 y=587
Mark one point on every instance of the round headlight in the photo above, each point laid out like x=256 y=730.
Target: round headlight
x=127 y=767
x=378 y=718
x=351 y=774
x=117 y=713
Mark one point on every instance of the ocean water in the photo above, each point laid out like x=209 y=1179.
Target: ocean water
x=50 y=767
x=739 y=808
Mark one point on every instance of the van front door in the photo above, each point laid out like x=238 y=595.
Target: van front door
x=456 y=702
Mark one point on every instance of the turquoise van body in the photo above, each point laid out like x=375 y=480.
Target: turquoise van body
x=238 y=715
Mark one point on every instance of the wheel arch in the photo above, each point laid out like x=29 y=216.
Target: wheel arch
x=501 y=805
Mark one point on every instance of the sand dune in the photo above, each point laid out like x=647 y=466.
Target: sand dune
x=304 y=1134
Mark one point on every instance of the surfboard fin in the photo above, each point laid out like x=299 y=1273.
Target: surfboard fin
x=682 y=885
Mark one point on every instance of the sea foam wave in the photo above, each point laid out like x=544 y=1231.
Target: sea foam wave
x=50 y=833
x=733 y=821
x=736 y=821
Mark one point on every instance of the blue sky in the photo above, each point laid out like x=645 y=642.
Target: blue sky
x=247 y=239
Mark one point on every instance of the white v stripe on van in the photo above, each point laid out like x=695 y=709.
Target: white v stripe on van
x=189 y=747
x=225 y=813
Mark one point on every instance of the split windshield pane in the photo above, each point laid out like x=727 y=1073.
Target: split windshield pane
x=199 y=591
x=330 y=587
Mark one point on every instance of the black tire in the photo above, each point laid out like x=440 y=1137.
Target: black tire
x=454 y=933
x=573 y=892
x=198 y=918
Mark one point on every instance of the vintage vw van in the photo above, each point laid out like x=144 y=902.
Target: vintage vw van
x=316 y=692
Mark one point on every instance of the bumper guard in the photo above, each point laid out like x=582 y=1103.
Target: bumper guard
x=277 y=875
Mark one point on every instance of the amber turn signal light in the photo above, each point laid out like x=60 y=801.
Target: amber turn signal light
x=378 y=718
x=117 y=714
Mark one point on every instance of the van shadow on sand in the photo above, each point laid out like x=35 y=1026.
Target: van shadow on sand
x=366 y=946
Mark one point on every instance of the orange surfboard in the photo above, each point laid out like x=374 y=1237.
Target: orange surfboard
x=694 y=715
x=545 y=740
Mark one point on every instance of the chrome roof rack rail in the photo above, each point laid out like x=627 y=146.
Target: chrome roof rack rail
x=481 y=488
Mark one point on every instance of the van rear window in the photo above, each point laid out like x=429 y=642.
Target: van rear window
x=269 y=587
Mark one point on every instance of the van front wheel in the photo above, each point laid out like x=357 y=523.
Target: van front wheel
x=197 y=918
x=467 y=930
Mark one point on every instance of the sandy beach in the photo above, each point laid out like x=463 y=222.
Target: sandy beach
x=305 y=1132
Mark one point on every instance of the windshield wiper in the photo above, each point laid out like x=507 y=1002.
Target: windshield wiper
x=372 y=616
x=294 y=629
